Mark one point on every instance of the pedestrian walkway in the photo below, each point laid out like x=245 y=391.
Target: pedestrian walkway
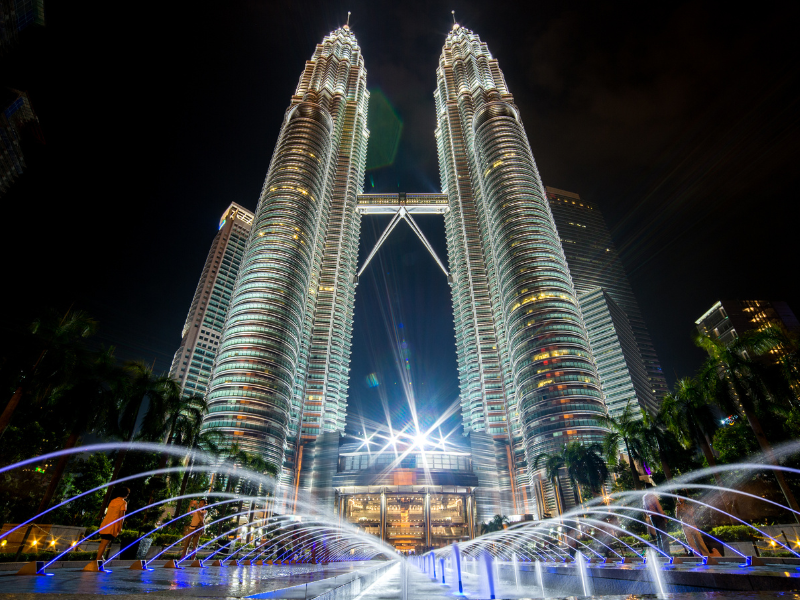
x=209 y=582
x=420 y=587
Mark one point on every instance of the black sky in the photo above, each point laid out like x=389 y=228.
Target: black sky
x=680 y=121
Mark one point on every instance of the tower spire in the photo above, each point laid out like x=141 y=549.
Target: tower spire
x=347 y=25
x=455 y=23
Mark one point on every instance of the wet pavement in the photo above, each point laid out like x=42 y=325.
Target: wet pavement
x=421 y=587
x=304 y=582
x=209 y=582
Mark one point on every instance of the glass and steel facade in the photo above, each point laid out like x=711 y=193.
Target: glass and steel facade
x=622 y=375
x=202 y=331
x=594 y=262
x=281 y=372
x=411 y=499
x=525 y=366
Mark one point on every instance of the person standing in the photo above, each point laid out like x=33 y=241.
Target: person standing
x=658 y=519
x=195 y=527
x=685 y=513
x=111 y=524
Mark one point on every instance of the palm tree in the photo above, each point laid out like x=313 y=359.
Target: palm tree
x=249 y=488
x=658 y=441
x=132 y=391
x=170 y=413
x=59 y=339
x=196 y=439
x=687 y=414
x=750 y=390
x=625 y=430
x=497 y=523
x=584 y=467
x=83 y=401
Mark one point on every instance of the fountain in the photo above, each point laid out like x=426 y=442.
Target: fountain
x=540 y=578
x=580 y=552
x=654 y=566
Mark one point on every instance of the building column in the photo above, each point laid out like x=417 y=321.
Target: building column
x=427 y=514
x=383 y=516
x=471 y=515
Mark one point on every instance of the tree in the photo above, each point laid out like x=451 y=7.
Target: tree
x=688 y=415
x=625 y=430
x=58 y=339
x=196 y=439
x=735 y=442
x=83 y=475
x=171 y=414
x=584 y=467
x=83 y=401
x=658 y=441
x=497 y=523
x=138 y=387
x=733 y=368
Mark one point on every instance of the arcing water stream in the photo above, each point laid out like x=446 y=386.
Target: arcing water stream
x=597 y=548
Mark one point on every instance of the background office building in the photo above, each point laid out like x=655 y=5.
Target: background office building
x=594 y=263
x=201 y=333
x=728 y=319
x=17 y=122
x=15 y=17
x=616 y=353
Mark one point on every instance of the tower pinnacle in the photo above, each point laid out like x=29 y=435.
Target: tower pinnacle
x=347 y=25
x=455 y=24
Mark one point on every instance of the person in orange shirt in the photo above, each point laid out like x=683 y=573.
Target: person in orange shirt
x=195 y=528
x=109 y=529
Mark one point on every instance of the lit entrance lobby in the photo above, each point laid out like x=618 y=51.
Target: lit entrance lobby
x=412 y=500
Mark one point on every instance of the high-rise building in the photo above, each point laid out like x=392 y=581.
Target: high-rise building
x=616 y=354
x=594 y=263
x=527 y=378
x=17 y=15
x=282 y=368
x=201 y=333
x=16 y=115
x=728 y=319
x=525 y=366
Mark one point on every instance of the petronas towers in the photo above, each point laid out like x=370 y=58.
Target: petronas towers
x=526 y=373
x=281 y=371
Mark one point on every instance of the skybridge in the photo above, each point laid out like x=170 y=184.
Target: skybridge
x=402 y=206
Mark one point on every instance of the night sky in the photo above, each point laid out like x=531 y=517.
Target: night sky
x=680 y=122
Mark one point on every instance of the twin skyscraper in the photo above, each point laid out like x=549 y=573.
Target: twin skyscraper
x=528 y=379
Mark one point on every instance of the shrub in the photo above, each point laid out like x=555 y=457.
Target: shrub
x=732 y=533
x=127 y=536
x=165 y=539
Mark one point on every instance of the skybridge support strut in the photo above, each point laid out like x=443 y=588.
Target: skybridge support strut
x=403 y=214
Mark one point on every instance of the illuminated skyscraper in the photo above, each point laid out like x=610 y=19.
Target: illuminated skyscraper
x=281 y=372
x=616 y=354
x=525 y=367
x=201 y=332
x=594 y=262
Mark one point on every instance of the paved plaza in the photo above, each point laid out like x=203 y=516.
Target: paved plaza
x=305 y=582
x=277 y=581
